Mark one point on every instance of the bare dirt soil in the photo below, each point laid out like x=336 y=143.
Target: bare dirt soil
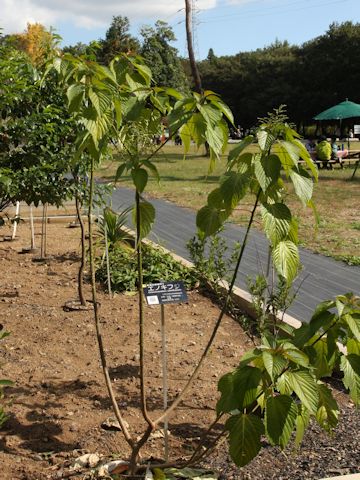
x=59 y=400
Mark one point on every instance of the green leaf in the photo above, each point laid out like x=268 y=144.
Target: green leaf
x=215 y=138
x=147 y=217
x=152 y=167
x=238 y=388
x=320 y=360
x=244 y=439
x=140 y=178
x=303 y=185
x=185 y=136
x=277 y=219
x=280 y=418
x=353 y=346
x=286 y=259
x=265 y=140
x=274 y=363
x=321 y=320
x=267 y=170
x=209 y=220
x=305 y=387
x=236 y=151
x=295 y=355
x=223 y=108
x=211 y=114
x=353 y=322
x=120 y=171
x=350 y=365
x=302 y=422
x=328 y=411
x=233 y=188
x=75 y=95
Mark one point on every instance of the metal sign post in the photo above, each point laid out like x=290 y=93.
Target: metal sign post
x=160 y=294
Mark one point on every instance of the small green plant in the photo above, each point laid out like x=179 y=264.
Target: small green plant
x=278 y=385
x=212 y=260
x=157 y=265
x=3 y=383
x=111 y=225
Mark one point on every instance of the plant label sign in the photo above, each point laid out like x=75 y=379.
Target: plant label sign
x=165 y=292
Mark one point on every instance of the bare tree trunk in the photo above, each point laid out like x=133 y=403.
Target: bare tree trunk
x=83 y=254
x=194 y=69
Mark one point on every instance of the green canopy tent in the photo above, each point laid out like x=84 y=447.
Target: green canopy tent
x=340 y=112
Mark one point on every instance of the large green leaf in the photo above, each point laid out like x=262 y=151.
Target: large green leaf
x=210 y=219
x=320 y=361
x=280 y=417
x=276 y=218
x=350 y=365
x=353 y=322
x=267 y=170
x=303 y=185
x=75 y=94
x=286 y=259
x=353 y=346
x=328 y=411
x=211 y=114
x=147 y=217
x=140 y=178
x=302 y=422
x=238 y=388
x=215 y=138
x=274 y=363
x=305 y=387
x=295 y=355
x=233 y=188
x=244 y=439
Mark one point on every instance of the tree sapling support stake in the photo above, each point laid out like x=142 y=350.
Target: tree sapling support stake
x=165 y=386
x=16 y=220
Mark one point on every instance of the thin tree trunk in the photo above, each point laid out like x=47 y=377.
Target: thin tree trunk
x=194 y=69
x=115 y=406
x=83 y=254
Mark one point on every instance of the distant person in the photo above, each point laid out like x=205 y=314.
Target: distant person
x=336 y=152
x=310 y=146
x=351 y=133
x=323 y=152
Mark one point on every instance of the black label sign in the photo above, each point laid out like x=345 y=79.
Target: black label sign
x=165 y=292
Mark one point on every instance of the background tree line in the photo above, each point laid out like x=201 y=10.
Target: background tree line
x=307 y=78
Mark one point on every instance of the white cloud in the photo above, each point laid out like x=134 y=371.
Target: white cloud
x=14 y=14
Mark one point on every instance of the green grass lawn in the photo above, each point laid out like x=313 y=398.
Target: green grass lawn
x=337 y=198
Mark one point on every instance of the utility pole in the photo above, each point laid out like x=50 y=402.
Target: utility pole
x=189 y=38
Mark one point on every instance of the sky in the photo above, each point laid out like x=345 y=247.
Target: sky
x=226 y=26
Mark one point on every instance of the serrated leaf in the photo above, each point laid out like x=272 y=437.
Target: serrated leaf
x=185 y=136
x=286 y=259
x=233 y=188
x=274 y=363
x=350 y=365
x=223 y=108
x=277 y=219
x=328 y=411
x=238 y=388
x=302 y=422
x=305 y=387
x=209 y=220
x=353 y=346
x=353 y=322
x=320 y=362
x=140 y=178
x=280 y=417
x=244 y=439
x=75 y=95
x=147 y=217
x=303 y=185
x=295 y=355
x=211 y=114
x=267 y=170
